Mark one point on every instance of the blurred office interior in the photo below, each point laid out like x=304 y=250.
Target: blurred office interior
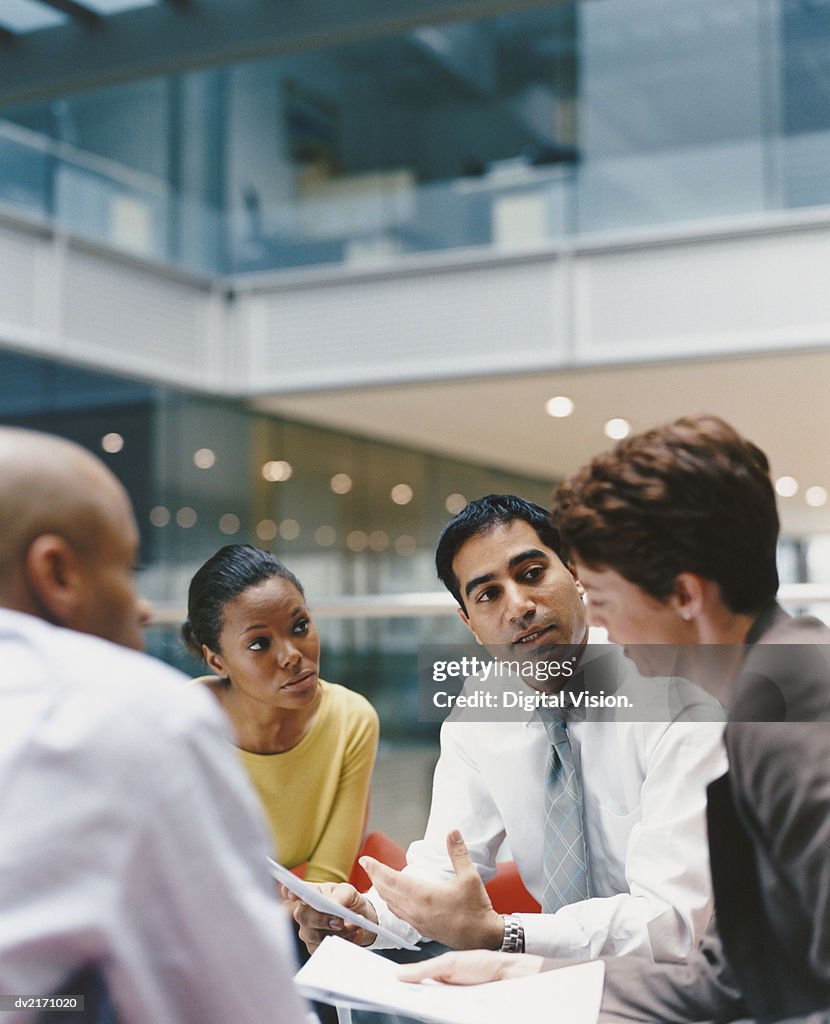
x=313 y=275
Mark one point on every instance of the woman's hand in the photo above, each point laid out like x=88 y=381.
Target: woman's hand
x=314 y=926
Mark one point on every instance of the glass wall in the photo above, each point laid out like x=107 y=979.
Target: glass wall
x=348 y=515
x=503 y=132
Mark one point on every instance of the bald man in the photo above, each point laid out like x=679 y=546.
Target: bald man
x=133 y=849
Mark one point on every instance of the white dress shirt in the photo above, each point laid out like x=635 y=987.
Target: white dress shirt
x=644 y=801
x=131 y=839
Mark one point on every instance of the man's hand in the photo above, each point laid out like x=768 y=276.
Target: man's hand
x=458 y=913
x=473 y=967
x=314 y=926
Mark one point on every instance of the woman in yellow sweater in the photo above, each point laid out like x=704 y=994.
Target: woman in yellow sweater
x=309 y=746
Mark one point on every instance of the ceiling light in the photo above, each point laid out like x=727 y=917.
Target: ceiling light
x=204 y=458
x=277 y=471
x=266 y=529
x=617 y=428
x=356 y=540
x=159 y=515
x=815 y=496
x=341 y=483
x=325 y=536
x=786 y=486
x=229 y=523
x=405 y=545
x=186 y=517
x=559 y=406
x=401 y=494
x=112 y=443
x=289 y=529
x=378 y=540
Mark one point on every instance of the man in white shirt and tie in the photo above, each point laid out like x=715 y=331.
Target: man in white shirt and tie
x=636 y=789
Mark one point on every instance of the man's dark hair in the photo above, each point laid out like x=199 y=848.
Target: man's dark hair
x=224 y=576
x=691 y=496
x=484 y=514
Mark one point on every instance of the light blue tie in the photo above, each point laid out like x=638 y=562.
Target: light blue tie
x=565 y=864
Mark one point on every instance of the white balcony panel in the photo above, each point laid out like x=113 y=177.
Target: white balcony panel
x=738 y=288
x=451 y=320
x=134 y=318
x=18 y=263
x=726 y=293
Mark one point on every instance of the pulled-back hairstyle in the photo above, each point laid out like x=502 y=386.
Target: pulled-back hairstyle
x=691 y=496
x=227 y=574
x=480 y=516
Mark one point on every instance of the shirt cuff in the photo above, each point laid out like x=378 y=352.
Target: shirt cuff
x=388 y=920
x=545 y=936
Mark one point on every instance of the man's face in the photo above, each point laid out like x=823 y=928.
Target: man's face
x=521 y=601
x=111 y=607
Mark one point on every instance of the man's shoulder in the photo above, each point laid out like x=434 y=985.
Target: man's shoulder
x=104 y=686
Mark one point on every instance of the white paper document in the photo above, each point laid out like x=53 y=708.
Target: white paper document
x=340 y=972
x=308 y=894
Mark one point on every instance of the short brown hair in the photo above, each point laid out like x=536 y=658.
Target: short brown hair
x=691 y=496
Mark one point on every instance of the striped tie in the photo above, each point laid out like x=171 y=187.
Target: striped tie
x=565 y=859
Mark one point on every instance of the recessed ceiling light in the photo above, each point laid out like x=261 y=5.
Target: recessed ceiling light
x=357 y=540
x=378 y=540
x=277 y=471
x=815 y=496
x=325 y=536
x=159 y=515
x=401 y=494
x=266 y=529
x=341 y=483
x=229 y=523
x=559 y=406
x=786 y=486
x=112 y=443
x=289 y=529
x=617 y=428
x=405 y=545
x=204 y=458
x=186 y=517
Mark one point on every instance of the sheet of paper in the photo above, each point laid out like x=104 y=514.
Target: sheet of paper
x=308 y=894
x=340 y=972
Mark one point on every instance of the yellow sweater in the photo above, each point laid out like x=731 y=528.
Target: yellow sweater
x=315 y=796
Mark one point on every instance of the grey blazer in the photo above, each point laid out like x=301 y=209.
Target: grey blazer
x=769 y=844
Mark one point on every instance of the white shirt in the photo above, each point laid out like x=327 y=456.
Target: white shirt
x=644 y=803
x=131 y=839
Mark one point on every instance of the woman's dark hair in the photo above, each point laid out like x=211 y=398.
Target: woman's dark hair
x=691 y=496
x=227 y=574
x=480 y=516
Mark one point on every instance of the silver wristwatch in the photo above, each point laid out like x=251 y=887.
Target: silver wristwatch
x=514 y=935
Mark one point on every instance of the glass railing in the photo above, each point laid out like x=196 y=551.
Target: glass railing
x=382 y=662
x=105 y=202
x=380 y=218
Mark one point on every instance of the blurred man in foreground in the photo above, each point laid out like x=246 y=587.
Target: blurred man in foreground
x=132 y=846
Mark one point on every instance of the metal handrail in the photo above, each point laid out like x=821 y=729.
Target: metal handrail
x=440 y=603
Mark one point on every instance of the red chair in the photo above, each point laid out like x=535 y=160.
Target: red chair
x=507 y=891
x=382 y=848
